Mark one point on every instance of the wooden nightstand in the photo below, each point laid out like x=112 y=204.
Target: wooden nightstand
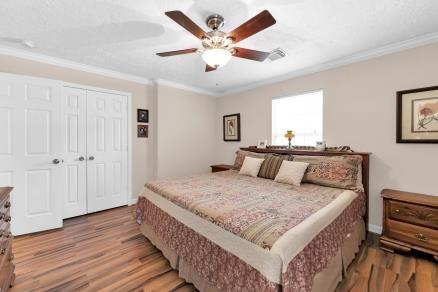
x=410 y=221
x=221 y=167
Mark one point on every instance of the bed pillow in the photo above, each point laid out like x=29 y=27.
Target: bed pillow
x=251 y=166
x=271 y=165
x=240 y=157
x=291 y=172
x=332 y=171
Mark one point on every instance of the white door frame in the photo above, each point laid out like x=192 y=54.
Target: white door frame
x=129 y=122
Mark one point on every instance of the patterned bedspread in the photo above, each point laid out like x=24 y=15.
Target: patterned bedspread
x=258 y=210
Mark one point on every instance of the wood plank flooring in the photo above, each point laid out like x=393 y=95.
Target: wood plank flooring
x=105 y=251
x=377 y=270
x=102 y=251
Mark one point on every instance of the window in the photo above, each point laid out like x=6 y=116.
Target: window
x=300 y=113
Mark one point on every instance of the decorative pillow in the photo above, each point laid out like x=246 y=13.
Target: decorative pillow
x=291 y=172
x=251 y=166
x=271 y=165
x=332 y=171
x=240 y=157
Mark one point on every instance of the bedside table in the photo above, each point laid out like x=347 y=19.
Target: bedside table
x=221 y=167
x=410 y=221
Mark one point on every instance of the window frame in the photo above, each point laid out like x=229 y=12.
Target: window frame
x=294 y=95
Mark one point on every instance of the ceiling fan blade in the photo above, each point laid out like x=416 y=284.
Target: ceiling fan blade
x=258 y=23
x=250 y=54
x=179 y=52
x=186 y=22
x=208 y=68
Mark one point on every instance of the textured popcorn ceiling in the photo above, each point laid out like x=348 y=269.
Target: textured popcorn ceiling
x=124 y=35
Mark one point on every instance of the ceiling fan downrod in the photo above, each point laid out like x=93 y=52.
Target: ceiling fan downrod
x=215 y=21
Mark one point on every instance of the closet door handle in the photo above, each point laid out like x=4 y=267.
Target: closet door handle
x=81 y=158
x=91 y=158
x=56 y=161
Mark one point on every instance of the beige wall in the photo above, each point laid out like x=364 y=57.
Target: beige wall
x=186 y=136
x=359 y=110
x=141 y=98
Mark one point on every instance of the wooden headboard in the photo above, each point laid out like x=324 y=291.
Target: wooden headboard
x=365 y=164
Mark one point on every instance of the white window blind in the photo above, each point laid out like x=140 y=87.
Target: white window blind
x=300 y=113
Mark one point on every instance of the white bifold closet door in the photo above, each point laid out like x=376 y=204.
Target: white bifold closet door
x=31 y=151
x=107 y=150
x=96 y=147
x=74 y=111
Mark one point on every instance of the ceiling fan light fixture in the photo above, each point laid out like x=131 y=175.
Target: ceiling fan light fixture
x=216 y=58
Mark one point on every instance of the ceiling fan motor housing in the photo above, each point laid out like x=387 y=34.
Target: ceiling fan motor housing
x=215 y=21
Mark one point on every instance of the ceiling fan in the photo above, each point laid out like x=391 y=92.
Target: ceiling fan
x=218 y=46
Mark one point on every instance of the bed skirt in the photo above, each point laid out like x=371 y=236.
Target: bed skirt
x=326 y=280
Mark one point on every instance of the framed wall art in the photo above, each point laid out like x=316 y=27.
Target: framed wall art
x=417 y=115
x=142 y=116
x=232 y=127
x=142 y=131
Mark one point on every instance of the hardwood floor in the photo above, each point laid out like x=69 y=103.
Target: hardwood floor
x=105 y=251
x=377 y=270
x=101 y=251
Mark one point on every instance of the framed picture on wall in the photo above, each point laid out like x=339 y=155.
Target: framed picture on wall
x=417 y=115
x=142 y=116
x=142 y=131
x=232 y=127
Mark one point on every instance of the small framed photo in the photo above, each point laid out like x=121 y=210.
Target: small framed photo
x=142 y=131
x=417 y=115
x=262 y=144
x=232 y=127
x=320 y=145
x=142 y=116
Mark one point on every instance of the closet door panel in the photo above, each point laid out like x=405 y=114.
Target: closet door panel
x=74 y=111
x=106 y=150
x=31 y=152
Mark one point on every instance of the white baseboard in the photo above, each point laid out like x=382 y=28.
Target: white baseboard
x=132 y=202
x=375 y=229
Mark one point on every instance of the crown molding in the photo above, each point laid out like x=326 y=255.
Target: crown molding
x=362 y=56
x=185 y=87
x=72 y=65
x=99 y=71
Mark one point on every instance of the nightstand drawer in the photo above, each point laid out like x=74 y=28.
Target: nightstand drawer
x=413 y=234
x=415 y=214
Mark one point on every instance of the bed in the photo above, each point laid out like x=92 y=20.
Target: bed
x=228 y=232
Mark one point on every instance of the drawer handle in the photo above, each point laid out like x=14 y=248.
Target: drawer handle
x=421 y=237
x=7 y=205
x=8 y=219
x=397 y=211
